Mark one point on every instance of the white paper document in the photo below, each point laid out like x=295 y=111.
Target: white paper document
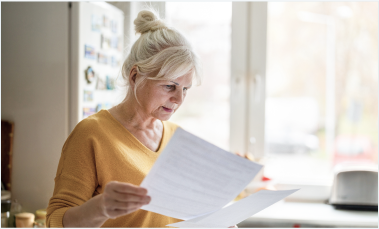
x=193 y=177
x=193 y=180
x=238 y=211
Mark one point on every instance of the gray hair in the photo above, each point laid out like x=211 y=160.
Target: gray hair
x=159 y=48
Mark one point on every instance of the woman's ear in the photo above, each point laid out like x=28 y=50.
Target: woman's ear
x=133 y=76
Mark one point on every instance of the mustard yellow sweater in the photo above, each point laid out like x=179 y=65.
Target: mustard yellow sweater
x=100 y=150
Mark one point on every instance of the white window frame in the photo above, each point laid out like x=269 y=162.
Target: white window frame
x=248 y=78
x=248 y=93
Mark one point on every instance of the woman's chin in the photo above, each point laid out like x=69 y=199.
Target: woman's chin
x=163 y=116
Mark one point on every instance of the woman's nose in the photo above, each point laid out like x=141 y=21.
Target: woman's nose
x=178 y=97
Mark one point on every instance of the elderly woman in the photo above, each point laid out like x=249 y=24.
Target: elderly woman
x=108 y=154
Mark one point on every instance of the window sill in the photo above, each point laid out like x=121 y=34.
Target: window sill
x=289 y=214
x=309 y=193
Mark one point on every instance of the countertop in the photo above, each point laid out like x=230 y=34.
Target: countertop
x=314 y=214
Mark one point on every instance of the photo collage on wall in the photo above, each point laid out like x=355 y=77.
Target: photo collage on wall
x=106 y=60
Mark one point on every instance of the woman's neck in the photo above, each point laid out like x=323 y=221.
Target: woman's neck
x=148 y=130
x=131 y=115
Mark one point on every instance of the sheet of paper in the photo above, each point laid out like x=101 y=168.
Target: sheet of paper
x=238 y=211
x=193 y=177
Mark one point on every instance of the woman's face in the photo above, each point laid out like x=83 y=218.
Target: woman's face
x=161 y=98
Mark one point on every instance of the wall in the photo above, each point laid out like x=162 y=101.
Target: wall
x=34 y=89
x=34 y=94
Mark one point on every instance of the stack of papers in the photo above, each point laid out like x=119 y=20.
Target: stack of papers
x=194 y=180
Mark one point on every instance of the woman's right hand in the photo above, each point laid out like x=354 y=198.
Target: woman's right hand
x=121 y=198
x=118 y=199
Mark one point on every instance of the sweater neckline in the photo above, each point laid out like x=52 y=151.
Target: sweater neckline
x=136 y=141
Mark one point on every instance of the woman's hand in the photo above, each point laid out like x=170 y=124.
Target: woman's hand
x=122 y=198
x=117 y=199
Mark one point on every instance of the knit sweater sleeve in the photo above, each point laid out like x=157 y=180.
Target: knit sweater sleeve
x=76 y=178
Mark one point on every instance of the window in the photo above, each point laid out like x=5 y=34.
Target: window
x=205 y=111
x=293 y=83
x=322 y=87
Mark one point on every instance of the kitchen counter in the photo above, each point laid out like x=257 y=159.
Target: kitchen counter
x=299 y=214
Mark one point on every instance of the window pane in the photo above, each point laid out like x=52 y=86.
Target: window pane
x=322 y=87
x=207 y=25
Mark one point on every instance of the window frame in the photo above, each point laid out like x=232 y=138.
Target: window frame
x=248 y=94
x=248 y=78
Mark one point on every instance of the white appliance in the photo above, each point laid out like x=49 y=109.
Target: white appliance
x=96 y=44
x=355 y=188
x=43 y=82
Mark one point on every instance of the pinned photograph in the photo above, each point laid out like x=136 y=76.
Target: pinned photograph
x=89 y=52
x=110 y=83
x=103 y=106
x=101 y=58
x=105 y=42
x=89 y=74
x=114 y=26
x=96 y=23
x=87 y=111
x=88 y=96
x=106 y=22
x=114 y=42
x=100 y=85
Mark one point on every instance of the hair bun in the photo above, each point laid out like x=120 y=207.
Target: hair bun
x=147 y=20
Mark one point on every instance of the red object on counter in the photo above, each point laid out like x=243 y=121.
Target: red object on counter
x=265 y=178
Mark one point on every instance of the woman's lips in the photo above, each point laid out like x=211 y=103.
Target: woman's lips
x=167 y=109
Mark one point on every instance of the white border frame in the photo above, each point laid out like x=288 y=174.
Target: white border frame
x=248 y=74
